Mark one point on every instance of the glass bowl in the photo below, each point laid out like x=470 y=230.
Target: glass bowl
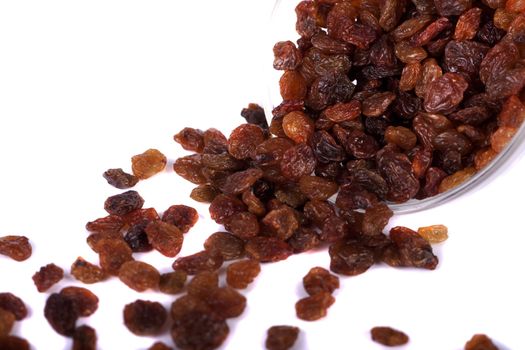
x=282 y=27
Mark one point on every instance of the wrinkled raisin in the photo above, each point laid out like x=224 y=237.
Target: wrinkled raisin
x=243 y=225
x=203 y=283
x=139 y=275
x=84 y=338
x=165 y=237
x=13 y=304
x=147 y=164
x=182 y=216
x=124 y=203
x=86 y=303
x=120 y=179
x=227 y=245
x=201 y=261
x=16 y=247
x=267 y=249
x=172 y=282
x=61 y=313
x=241 y=273
x=319 y=280
x=112 y=254
x=281 y=337
x=388 y=336
x=350 y=258
x=434 y=233
x=190 y=139
x=314 y=307
x=224 y=206
x=199 y=330
x=480 y=342
x=143 y=317
x=47 y=276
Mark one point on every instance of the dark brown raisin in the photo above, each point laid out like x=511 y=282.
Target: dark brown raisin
x=120 y=179
x=388 y=336
x=267 y=249
x=16 y=247
x=287 y=56
x=376 y=218
x=13 y=304
x=124 y=203
x=319 y=280
x=12 y=342
x=215 y=142
x=412 y=249
x=172 y=282
x=226 y=302
x=241 y=181
x=139 y=275
x=243 y=225
x=86 y=303
x=47 y=276
x=241 y=273
x=204 y=193
x=201 y=261
x=7 y=320
x=165 y=237
x=350 y=258
x=203 y=283
x=143 y=317
x=282 y=222
x=147 y=164
x=281 y=337
x=190 y=139
x=317 y=188
x=61 y=313
x=182 y=216
x=84 y=338
x=314 y=307
x=199 y=330
x=304 y=239
x=224 y=206
x=227 y=245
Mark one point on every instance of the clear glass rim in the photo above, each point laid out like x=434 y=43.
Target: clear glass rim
x=504 y=158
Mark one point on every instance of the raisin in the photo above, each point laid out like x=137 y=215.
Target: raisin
x=468 y=24
x=221 y=161
x=281 y=337
x=341 y=112
x=243 y=225
x=202 y=284
x=334 y=228
x=84 y=338
x=124 y=203
x=290 y=194
x=410 y=76
x=143 y=317
x=86 y=303
x=137 y=239
x=227 y=245
x=107 y=224
x=204 y=193
x=47 y=276
x=391 y=13
x=480 y=342
x=350 y=258
x=329 y=45
x=86 y=272
x=267 y=249
x=456 y=179
x=298 y=161
x=376 y=218
x=377 y=104
x=434 y=233
x=199 y=330
x=254 y=114
x=241 y=273
x=304 y=239
x=501 y=137
x=224 y=206
x=254 y=204
x=319 y=280
x=429 y=73
x=317 y=188
x=147 y=164
x=190 y=139
x=483 y=157
x=401 y=137
x=191 y=169
x=318 y=211
x=410 y=27
x=314 y=307
x=61 y=313
x=293 y=86
x=112 y=254
x=16 y=247
x=413 y=249
x=445 y=93
x=298 y=126
x=159 y=346
x=181 y=216
x=241 y=181
x=329 y=89
x=12 y=342
x=166 y=238
x=286 y=56
x=214 y=142
x=139 y=275
x=7 y=320
x=201 y=261
x=388 y=336
x=282 y=222
x=408 y=53
x=226 y=302
x=13 y=304
x=396 y=169
x=120 y=179
x=425 y=36
x=187 y=304
x=172 y=282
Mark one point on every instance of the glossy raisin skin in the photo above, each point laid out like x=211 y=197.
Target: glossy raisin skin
x=124 y=203
x=144 y=317
x=190 y=139
x=47 y=276
x=16 y=247
x=112 y=254
x=199 y=330
x=388 y=336
x=410 y=249
x=281 y=337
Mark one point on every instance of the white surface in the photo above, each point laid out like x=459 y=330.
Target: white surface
x=86 y=85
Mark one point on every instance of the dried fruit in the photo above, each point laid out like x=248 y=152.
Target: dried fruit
x=13 y=304
x=314 y=307
x=182 y=216
x=227 y=245
x=203 y=283
x=143 y=317
x=201 y=261
x=224 y=206
x=61 y=313
x=434 y=233
x=267 y=249
x=16 y=247
x=85 y=302
x=281 y=337
x=388 y=336
x=139 y=275
x=410 y=249
x=282 y=222
x=190 y=139
x=147 y=164
x=47 y=276
x=350 y=258
x=243 y=225
x=124 y=203
x=7 y=320
x=480 y=342
x=204 y=193
x=172 y=282
x=319 y=280
x=120 y=179
x=84 y=338
x=165 y=237
x=315 y=187
x=159 y=346
x=199 y=330
x=241 y=273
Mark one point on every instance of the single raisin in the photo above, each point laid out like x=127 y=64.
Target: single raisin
x=182 y=216
x=16 y=247
x=243 y=225
x=112 y=254
x=139 y=275
x=147 y=164
x=480 y=342
x=201 y=261
x=84 y=338
x=298 y=126
x=13 y=304
x=350 y=258
x=204 y=193
x=227 y=245
x=281 y=337
x=434 y=233
x=319 y=280
x=314 y=307
x=143 y=317
x=190 y=139
x=120 y=179
x=86 y=303
x=388 y=336
x=7 y=320
x=61 y=313
x=241 y=273
x=199 y=330
x=267 y=249
x=224 y=206
x=203 y=283
x=172 y=282
x=165 y=237
x=47 y=276
x=124 y=203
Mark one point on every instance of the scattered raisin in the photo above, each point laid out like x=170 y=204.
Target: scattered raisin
x=480 y=342
x=124 y=203
x=165 y=237
x=227 y=245
x=172 y=282
x=7 y=320
x=147 y=164
x=199 y=330
x=86 y=303
x=139 y=275
x=241 y=273
x=16 y=247
x=47 y=276
x=120 y=179
x=190 y=139
x=319 y=280
x=388 y=336
x=112 y=254
x=12 y=342
x=267 y=249
x=201 y=261
x=13 y=304
x=61 y=313
x=281 y=337
x=182 y=216
x=314 y=307
x=434 y=233
x=143 y=317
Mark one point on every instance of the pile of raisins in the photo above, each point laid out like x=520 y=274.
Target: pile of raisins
x=383 y=102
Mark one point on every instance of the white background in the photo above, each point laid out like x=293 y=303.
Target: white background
x=84 y=85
